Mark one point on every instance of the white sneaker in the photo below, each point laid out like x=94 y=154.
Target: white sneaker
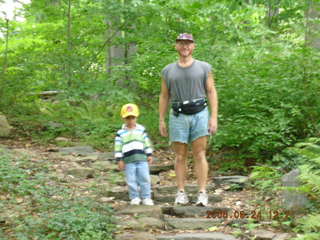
x=202 y=199
x=147 y=201
x=181 y=198
x=135 y=201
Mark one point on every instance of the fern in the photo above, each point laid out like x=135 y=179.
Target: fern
x=310 y=225
x=311 y=180
x=309 y=236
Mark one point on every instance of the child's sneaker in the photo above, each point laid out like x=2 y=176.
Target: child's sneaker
x=147 y=201
x=181 y=198
x=135 y=201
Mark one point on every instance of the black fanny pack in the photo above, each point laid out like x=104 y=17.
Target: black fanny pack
x=189 y=107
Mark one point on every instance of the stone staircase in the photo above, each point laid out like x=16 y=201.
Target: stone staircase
x=88 y=172
x=165 y=221
x=227 y=196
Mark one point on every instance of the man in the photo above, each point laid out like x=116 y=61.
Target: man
x=188 y=84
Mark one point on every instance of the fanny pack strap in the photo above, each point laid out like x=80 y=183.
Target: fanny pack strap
x=189 y=106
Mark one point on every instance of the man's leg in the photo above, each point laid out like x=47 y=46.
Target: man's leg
x=181 y=151
x=201 y=165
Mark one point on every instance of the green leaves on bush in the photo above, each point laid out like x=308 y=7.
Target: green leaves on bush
x=74 y=220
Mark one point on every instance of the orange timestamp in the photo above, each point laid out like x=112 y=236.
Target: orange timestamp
x=256 y=214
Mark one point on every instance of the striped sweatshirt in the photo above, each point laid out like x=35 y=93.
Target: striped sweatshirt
x=132 y=145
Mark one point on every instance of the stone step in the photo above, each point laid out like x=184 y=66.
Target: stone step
x=191 y=223
x=157 y=168
x=140 y=224
x=197 y=236
x=194 y=211
x=237 y=179
x=135 y=236
x=199 y=223
x=192 y=188
x=164 y=194
x=142 y=210
x=192 y=198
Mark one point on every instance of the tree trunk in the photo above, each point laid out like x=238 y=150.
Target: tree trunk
x=272 y=12
x=69 y=70
x=5 y=63
x=109 y=52
x=312 y=36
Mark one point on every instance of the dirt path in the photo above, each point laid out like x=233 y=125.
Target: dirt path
x=233 y=211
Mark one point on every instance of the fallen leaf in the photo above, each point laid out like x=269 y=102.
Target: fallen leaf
x=213 y=229
x=19 y=200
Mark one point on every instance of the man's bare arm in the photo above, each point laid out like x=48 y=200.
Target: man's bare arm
x=213 y=100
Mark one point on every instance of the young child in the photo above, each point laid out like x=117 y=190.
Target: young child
x=133 y=152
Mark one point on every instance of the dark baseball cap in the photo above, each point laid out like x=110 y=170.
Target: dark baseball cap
x=185 y=36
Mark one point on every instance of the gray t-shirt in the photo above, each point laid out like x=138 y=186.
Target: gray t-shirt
x=186 y=83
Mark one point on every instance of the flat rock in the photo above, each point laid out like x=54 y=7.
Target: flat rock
x=293 y=200
x=5 y=128
x=106 y=156
x=81 y=172
x=119 y=192
x=142 y=224
x=149 y=222
x=191 y=223
x=191 y=188
x=157 y=168
x=197 y=236
x=260 y=234
x=231 y=179
x=192 y=211
x=282 y=236
x=89 y=158
x=192 y=198
x=77 y=150
x=136 y=236
x=142 y=210
x=104 y=165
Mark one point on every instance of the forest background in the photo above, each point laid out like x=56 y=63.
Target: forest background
x=98 y=55
x=101 y=54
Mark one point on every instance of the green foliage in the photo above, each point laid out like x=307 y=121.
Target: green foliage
x=299 y=154
x=75 y=220
x=310 y=170
x=266 y=178
x=262 y=105
x=310 y=225
x=305 y=156
x=31 y=209
x=267 y=79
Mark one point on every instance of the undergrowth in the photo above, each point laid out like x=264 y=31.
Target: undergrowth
x=37 y=206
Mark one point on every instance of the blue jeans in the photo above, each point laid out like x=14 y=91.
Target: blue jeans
x=138 y=178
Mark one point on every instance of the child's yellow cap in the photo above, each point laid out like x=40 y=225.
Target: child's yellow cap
x=129 y=109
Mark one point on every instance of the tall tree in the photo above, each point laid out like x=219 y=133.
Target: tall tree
x=69 y=42
x=313 y=24
x=272 y=11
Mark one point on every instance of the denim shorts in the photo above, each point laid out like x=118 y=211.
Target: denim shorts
x=187 y=128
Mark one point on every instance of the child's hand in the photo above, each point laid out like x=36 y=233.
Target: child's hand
x=150 y=159
x=121 y=165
